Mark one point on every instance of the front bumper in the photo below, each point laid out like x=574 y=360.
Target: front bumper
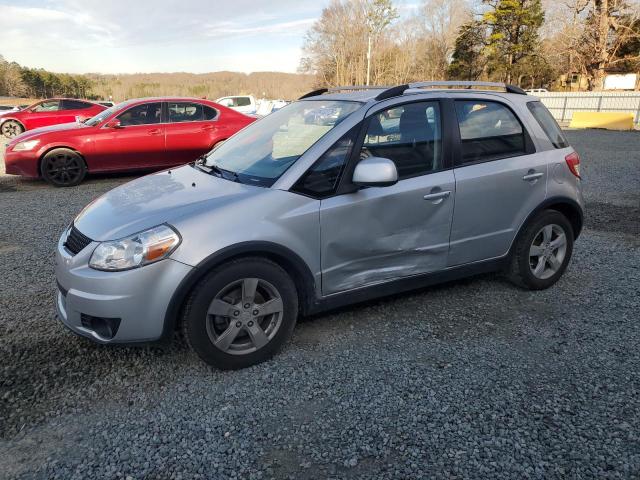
x=136 y=300
x=22 y=163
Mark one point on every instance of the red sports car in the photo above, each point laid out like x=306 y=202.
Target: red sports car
x=137 y=134
x=47 y=112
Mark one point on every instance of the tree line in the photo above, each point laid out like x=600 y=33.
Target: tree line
x=18 y=81
x=525 y=42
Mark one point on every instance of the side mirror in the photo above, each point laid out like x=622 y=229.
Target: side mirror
x=113 y=124
x=375 y=172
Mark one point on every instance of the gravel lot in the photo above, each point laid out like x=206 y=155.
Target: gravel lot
x=473 y=379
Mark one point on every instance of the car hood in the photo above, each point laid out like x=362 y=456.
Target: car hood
x=163 y=197
x=36 y=132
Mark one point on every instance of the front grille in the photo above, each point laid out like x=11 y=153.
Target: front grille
x=76 y=241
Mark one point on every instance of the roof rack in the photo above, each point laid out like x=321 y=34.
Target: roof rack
x=388 y=92
x=313 y=93
x=346 y=88
x=469 y=85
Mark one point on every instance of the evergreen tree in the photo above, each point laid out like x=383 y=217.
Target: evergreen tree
x=513 y=34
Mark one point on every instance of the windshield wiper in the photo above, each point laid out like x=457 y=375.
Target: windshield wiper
x=214 y=169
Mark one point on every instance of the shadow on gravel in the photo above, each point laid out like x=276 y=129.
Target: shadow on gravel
x=607 y=217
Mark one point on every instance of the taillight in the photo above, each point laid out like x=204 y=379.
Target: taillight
x=573 y=162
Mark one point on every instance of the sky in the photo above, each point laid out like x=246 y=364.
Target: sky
x=117 y=36
x=133 y=36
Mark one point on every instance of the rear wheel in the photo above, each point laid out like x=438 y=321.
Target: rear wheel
x=12 y=128
x=241 y=314
x=63 y=167
x=543 y=251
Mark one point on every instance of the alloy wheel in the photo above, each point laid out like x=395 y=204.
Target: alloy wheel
x=63 y=168
x=11 y=129
x=244 y=316
x=547 y=251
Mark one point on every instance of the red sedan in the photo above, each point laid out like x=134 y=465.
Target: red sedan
x=48 y=112
x=136 y=134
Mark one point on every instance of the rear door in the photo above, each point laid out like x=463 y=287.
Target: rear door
x=72 y=110
x=376 y=234
x=499 y=178
x=139 y=142
x=191 y=131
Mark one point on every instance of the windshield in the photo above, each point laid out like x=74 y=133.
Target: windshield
x=93 y=121
x=264 y=150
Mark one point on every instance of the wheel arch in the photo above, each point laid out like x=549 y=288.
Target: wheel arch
x=282 y=256
x=50 y=148
x=3 y=120
x=567 y=206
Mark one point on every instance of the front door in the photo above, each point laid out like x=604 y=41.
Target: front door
x=45 y=114
x=378 y=234
x=499 y=180
x=139 y=141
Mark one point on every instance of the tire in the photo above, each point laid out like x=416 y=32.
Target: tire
x=542 y=251
x=63 y=167
x=11 y=128
x=219 y=320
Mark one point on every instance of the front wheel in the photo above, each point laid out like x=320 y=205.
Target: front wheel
x=542 y=252
x=12 y=128
x=241 y=313
x=63 y=167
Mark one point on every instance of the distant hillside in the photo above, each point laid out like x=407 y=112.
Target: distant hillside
x=274 y=85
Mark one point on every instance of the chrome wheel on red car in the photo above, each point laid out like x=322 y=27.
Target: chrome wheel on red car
x=11 y=128
x=63 y=167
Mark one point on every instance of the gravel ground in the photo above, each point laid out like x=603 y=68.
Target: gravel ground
x=472 y=379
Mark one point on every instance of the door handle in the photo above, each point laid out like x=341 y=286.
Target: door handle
x=155 y=131
x=532 y=176
x=437 y=197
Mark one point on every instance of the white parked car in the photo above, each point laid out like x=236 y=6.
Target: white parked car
x=6 y=109
x=537 y=90
x=241 y=103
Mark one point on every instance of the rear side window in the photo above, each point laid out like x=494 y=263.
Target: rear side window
x=209 y=113
x=242 y=102
x=74 y=105
x=185 y=112
x=548 y=124
x=489 y=131
x=321 y=180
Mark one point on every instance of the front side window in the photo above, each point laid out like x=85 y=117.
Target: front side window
x=265 y=149
x=488 y=131
x=410 y=135
x=144 y=114
x=49 y=106
x=185 y=112
x=321 y=180
x=548 y=124
x=103 y=115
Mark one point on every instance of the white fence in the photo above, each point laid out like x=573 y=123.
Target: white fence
x=563 y=104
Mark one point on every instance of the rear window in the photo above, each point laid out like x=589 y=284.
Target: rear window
x=548 y=124
x=488 y=131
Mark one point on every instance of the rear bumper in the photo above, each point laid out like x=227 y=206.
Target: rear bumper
x=21 y=163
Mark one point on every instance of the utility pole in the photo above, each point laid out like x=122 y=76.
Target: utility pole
x=369 y=58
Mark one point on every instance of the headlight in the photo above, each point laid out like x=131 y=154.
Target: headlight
x=135 y=251
x=26 y=145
